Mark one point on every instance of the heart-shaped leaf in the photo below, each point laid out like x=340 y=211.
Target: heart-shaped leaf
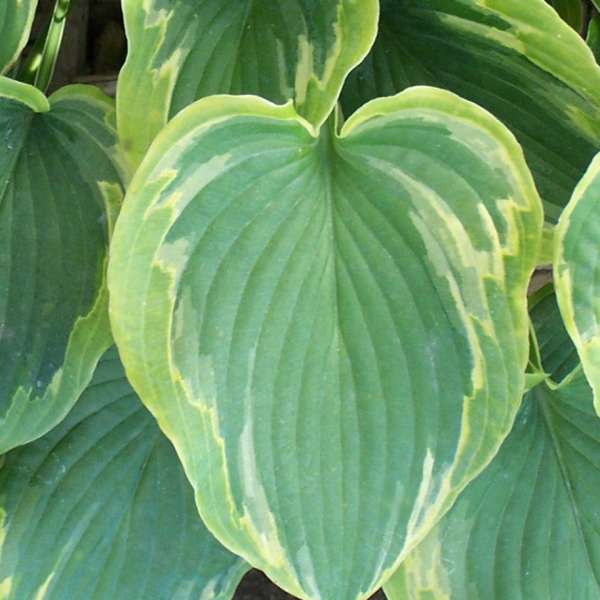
x=16 y=18
x=180 y=51
x=59 y=192
x=99 y=508
x=528 y=528
x=331 y=328
x=576 y=261
x=513 y=57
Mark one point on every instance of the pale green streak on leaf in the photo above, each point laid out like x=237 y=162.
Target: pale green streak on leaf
x=278 y=49
x=514 y=58
x=331 y=329
x=570 y=11
x=528 y=527
x=546 y=253
x=16 y=17
x=60 y=191
x=100 y=508
x=576 y=266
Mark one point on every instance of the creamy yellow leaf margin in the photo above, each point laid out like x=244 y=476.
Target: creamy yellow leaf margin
x=30 y=414
x=144 y=331
x=576 y=268
x=16 y=18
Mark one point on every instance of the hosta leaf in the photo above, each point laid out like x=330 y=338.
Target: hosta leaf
x=16 y=17
x=59 y=190
x=528 y=528
x=331 y=328
x=99 y=508
x=559 y=359
x=180 y=51
x=514 y=58
x=575 y=269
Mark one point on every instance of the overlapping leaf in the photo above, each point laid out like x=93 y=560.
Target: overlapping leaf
x=576 y=272
x=330 y=327
x=99 y=508
x=528 y=527
x=16 y=17
x=570 y=11
x=517 y=59
x=558 y=359
x=180 y=51
x=59 y=190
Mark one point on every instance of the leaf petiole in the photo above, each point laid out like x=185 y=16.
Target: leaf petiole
x=40 y=67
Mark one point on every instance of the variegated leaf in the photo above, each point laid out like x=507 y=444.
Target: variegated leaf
x=593 y=36
x=16 y=18
x=559 y=360
x=570 y=11
x=180 y=51
x=577 y=244
x=515 y=58
x=331 y=327
x=60 y=188
x=528 y=528
x=99 y=508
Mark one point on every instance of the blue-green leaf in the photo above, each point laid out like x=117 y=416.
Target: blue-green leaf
x=576 y=261
x=516 y=58
x=330 y=326
x=528 y=528
x=60 y=189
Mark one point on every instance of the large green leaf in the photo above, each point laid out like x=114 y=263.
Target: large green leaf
x=180 y=51
x=16 y=17
x=528 y=528
x=331 y=328
x=577 y=246
x=59 y=191
x=99 y=508
x=516 y=58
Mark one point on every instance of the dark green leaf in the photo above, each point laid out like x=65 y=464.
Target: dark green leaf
x=16 y=17
x=331 y=328
x=99 y=508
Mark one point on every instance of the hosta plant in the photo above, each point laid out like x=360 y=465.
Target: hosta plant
x=277 y=305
